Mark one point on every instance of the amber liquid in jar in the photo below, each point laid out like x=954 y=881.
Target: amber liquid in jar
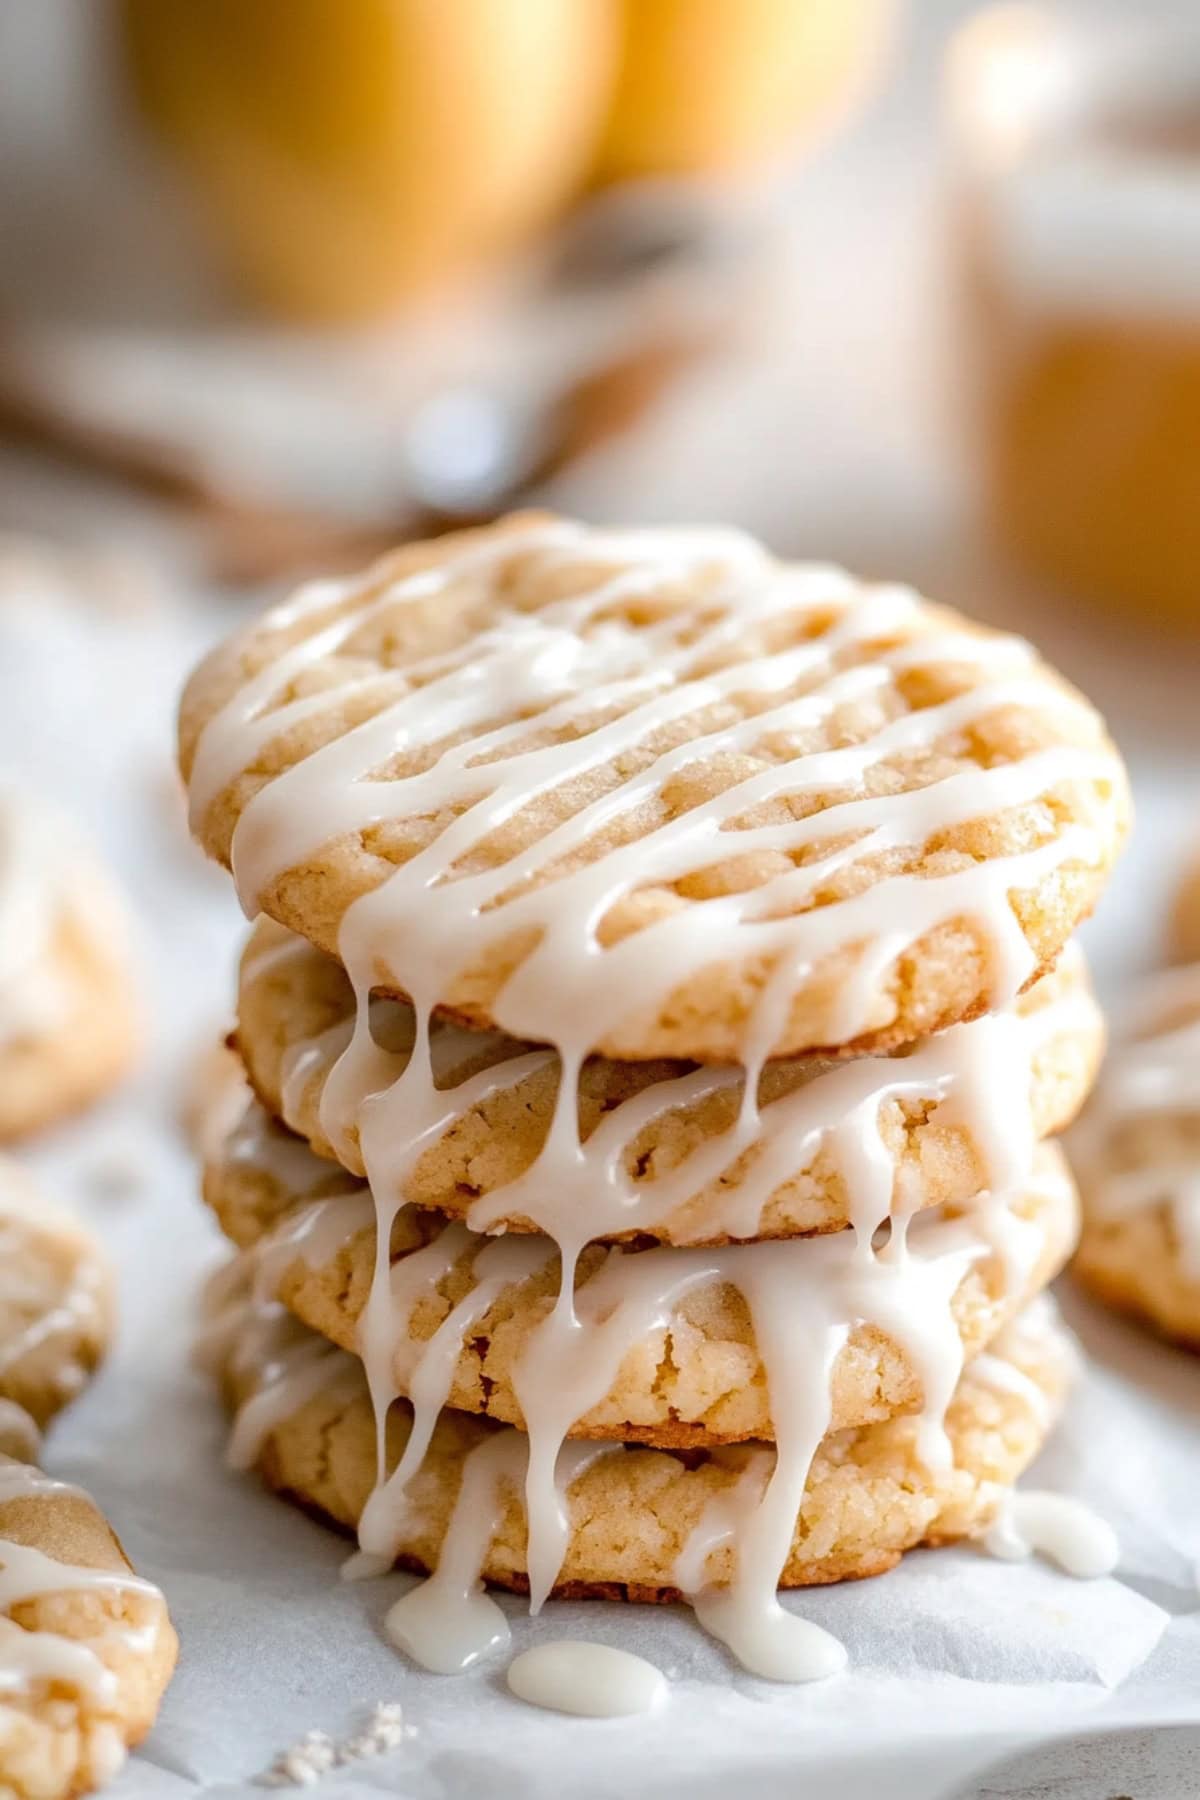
x=1081 y=255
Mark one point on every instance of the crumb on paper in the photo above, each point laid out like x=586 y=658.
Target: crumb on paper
x=303 y=1763
x=385 y=1730
x=316 y=1753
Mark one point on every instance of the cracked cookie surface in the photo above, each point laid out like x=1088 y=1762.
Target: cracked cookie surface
x=679 y=1325
x=939 y=1110
x=668 y=790
x=870 y=1496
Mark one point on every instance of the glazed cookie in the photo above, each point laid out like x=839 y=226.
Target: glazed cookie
x=69 y=1023
x=55 y=1300
x=214 y=1096
x=666 y=1150
x=653 y=794
x=670 y=1346
x=1138 y=1153
x=86 y=1648
x=638 y=1518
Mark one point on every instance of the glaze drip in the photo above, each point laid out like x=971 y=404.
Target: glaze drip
x=29 y=1657
x=976 y=1079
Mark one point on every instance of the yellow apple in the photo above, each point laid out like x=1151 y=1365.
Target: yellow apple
x=353 y=152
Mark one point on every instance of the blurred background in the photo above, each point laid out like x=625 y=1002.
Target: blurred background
x=913 y=287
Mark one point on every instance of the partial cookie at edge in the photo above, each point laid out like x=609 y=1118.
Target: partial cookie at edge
x=105 y=1649
x=56 y=1299
x=1137 y=1151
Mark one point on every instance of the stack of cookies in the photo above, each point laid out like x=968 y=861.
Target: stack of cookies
x=660 y=1001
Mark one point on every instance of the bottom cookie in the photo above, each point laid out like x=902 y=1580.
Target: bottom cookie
x=86 y=1648
x=643 y=1524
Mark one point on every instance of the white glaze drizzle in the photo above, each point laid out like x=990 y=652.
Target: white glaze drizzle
x=1005 y=1378
x=977 y=1076
x=575 y=665
x=763 y=1636
x=1056 y=1526
x=448 y=1623
x=258 y=1144
x=425 y=1371
x=259 y=1345
x=591 y=1681
x=1151 y=1076
x=575 y=660
x=833 y=1281
x=27 y=1573
x=805 y=1297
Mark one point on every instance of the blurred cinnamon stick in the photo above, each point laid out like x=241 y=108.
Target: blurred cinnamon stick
x=248 y=540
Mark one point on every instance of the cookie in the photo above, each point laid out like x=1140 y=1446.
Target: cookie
x=213 y=1098
x=56 y=1300
x=1137 y=1149
x=635 y=1514
x=86 y=1648
x=673 y=1347
x=953 y=1116
x=69 y=1024
x=653 y=794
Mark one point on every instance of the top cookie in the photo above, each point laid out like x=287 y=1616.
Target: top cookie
x=653 y=793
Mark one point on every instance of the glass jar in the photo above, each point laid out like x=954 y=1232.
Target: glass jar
x=1076 y=140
